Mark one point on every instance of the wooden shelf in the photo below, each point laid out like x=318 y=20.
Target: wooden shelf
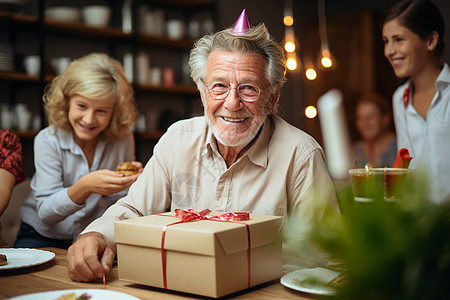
x=182 y=4
x=113 y=33
x=82 y=30
x=17 y=76
x=185 y=89
x=149 y=135
x=25 y=134
x=160 y=41
x=16 y=20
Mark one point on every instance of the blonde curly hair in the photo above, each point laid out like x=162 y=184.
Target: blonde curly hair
x=94 y=76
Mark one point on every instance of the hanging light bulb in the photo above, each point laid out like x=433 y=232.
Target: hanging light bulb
x=326 y=61
x=325 y=56
x=310 y=112
x=289 y=38
x=288 y=19
x=310 y=71
x=289 y=47
x=291 y=62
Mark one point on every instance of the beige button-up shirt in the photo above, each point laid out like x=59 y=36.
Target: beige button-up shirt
x=283 y=172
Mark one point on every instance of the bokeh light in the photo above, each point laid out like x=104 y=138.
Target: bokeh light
x=289 y=47
x=291 y=63
x=310 y=74
x=310 y=112
x=326 y=62
x=288 y=20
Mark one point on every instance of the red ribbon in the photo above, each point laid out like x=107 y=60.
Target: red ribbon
x=406 y=97
x=191 y=215
x=403 y=159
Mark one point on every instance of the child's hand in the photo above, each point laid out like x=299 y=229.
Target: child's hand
x=138 y=166
x=107 y=182
x=103 y=182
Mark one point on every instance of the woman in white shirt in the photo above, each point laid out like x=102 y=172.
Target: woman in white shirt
x=413 y=38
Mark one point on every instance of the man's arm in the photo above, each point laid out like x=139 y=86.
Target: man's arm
x=312 y=193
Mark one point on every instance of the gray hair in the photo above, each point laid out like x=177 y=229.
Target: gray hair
x=256 y=40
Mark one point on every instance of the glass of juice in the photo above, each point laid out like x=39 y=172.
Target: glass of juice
x=373 y=183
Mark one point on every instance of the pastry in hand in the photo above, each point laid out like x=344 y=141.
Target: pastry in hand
x=126 y=168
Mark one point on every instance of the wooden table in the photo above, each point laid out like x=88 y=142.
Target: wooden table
x=53 y=276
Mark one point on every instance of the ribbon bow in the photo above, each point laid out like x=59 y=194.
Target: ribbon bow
x=193 y=215
x=403 y=159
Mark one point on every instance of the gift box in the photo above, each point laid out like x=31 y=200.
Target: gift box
x=206 y=257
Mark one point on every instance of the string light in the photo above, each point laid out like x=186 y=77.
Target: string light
x=310 y=112
x=289 y=38
x=289 y=46
x=310 y=71
x=288 y=20
x=326 y=59
x=291 y=62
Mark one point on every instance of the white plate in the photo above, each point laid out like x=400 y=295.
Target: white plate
x=312 y=281
x=94 y=293
x=25 y=257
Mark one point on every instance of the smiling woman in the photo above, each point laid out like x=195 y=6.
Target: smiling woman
x=413 y=32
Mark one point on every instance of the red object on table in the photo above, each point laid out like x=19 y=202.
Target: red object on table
x=403 y=159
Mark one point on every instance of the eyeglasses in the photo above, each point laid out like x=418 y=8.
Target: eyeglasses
x=247 y=92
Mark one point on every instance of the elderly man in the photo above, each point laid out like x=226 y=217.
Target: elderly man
x=239 y=156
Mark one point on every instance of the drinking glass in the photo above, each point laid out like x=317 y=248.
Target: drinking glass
x=371 y=183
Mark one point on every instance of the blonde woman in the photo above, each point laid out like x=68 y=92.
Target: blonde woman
x=90 y=108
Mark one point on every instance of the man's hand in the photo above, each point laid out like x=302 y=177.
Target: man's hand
x=89 y=257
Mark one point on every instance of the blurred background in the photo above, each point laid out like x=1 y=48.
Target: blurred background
x=152 y=38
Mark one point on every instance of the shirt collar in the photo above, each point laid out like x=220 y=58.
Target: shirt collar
x=258 y=152
x=68 y=142
x=443 y=80
x=210 y=140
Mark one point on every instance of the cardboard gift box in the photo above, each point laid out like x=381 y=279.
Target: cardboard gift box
x=204 y=257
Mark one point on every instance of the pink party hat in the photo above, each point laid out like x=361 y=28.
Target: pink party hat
x=242 y=25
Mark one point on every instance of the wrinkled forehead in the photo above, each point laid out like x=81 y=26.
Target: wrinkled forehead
x=226 y=63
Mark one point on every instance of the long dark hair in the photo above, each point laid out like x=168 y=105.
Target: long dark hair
x=421 y=17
